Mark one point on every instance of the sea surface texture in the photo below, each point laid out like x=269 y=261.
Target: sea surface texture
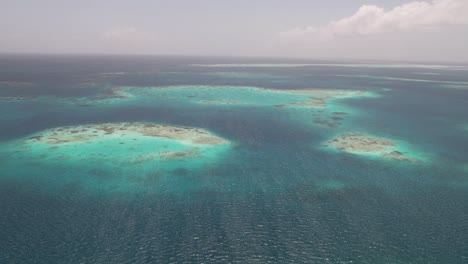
x=197 y=160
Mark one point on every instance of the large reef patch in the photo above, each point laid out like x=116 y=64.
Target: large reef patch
x=123 y=156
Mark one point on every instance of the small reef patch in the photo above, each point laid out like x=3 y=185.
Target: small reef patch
x=369 y=145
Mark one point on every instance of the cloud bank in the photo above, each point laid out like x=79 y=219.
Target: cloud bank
x=371 y=20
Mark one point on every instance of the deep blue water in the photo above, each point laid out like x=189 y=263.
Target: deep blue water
x=275 y=198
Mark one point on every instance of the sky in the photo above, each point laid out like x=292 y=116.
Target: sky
x=405 y=30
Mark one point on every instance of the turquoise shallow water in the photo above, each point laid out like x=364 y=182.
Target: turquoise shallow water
x=274 y=194
x=122 y=161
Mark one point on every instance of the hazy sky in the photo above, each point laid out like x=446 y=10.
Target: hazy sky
x=325 y=29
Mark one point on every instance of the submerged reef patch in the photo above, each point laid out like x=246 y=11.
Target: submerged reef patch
x=317 y=107
x=221 y=102
x=458 y=86
x=14 y=84
x=7 y=99
x=318 y=97
x=255 y=65
x=369 y=145
x=233 y=95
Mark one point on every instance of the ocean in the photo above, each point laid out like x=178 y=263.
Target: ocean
x=134 y=159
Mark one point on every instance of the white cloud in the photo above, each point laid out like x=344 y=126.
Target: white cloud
x=129 y=39
x=124 y=34
x=371 y=19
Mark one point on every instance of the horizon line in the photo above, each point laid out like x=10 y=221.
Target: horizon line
x=251 y=57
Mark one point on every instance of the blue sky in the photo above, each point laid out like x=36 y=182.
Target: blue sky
x=432 y=30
